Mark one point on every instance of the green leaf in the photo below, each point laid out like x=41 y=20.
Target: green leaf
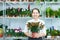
x=1 y=13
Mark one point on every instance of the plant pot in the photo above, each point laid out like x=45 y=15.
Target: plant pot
x=55 y=0
x=52 y=37
x=31 y=0
x=9 y=16
x=48 y=15
x=1 y=35
x=9 y=35
x=41 y=0
x=52 y=16
x=33 y=34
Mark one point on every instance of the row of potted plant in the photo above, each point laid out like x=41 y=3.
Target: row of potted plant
x=53 y=33
x=18 y=12
x=14 y=33
x=34 y=0
x=24 y=0
x=25 y=13
x=10 y=12
x=1 y=30
x=52 y=13
x=11 y=32
x=52 y=0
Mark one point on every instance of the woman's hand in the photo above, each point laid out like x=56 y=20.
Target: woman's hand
x=35 y=35
x=27 y=34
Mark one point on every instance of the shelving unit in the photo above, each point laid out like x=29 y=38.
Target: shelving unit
x=20 y=4
x=16 y=38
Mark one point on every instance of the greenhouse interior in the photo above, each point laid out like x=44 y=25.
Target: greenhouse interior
x=15 y=13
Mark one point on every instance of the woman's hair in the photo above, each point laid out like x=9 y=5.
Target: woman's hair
x=35 y=9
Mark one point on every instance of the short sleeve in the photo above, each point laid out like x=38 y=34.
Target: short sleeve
x=42 y=22
x=25 y=29
x=43 y=30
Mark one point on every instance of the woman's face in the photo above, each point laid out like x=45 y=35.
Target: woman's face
x=35 y=14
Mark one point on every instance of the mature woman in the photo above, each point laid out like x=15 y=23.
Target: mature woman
x=42 y=32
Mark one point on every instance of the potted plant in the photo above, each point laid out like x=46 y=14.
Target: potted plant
x=11 y=0
x=34 y=27
x=47 y=33
x=18 y=10
x=42 y=0
x=49 y=0
x=9 y=32
x=1 y=32
x=22 y=34
x=52 y=14
x=1 y=13
x=49 y=12
x=8 y=12
x=55 y=0
x=27 y=13
x=54 y=33
x=55 y=13
x=17 y=32
x=59 y=12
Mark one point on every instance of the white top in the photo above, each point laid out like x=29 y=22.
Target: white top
x=41 y=21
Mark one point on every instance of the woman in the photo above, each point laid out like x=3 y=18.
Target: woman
x=35 y=16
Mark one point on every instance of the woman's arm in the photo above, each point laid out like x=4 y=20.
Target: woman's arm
x=41 y=34
x=43 y=31
x=26 y=32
